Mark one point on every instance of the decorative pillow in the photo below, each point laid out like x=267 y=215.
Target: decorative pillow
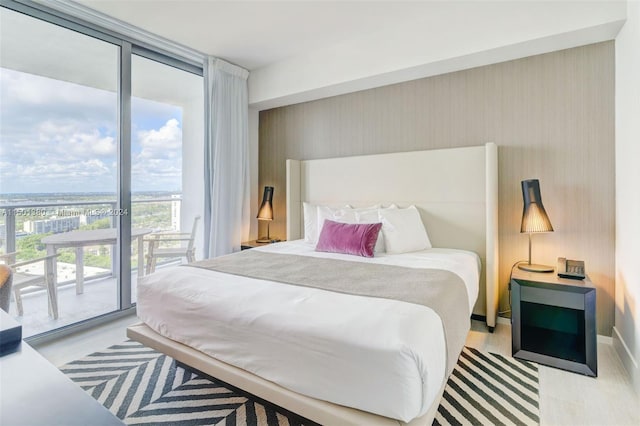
x=349 y=238
x=314 y=217
x=403 y=230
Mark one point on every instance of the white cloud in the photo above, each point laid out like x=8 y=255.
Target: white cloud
x=68 y=139
x=165 y=142
x=88 y=168
x=160 y=157
x=61 y=137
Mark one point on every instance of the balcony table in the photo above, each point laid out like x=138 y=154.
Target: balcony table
x=92 y=237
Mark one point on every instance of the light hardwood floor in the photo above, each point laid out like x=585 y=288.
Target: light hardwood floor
x=573 y=399
x=565 y=398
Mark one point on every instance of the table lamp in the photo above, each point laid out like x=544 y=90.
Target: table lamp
x=266 y=212
x=534 y=219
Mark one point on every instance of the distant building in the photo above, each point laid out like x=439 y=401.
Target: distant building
x=175 y=212
x=54 y=225
x=89 y=219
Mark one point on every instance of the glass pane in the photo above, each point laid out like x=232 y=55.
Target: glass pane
x=167 y=183
x=58 y=161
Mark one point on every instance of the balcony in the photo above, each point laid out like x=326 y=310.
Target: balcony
x=26 y=223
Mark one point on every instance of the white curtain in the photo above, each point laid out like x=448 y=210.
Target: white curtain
x=226 y=157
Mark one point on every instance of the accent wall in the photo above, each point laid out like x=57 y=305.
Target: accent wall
x=552 y=116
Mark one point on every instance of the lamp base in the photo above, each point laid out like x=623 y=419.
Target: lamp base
x=535 y=268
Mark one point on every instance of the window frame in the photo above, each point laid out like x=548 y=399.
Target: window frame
x=128 y=46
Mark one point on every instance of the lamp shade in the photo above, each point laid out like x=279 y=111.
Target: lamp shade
x=266 y=208
x=534 y=216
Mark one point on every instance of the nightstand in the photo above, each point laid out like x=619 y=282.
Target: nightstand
x=553 y=321
x=253 y=244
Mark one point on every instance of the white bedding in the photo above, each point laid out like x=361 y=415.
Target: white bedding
x=378 y=355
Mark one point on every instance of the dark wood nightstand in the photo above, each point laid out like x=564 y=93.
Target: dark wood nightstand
x=253 y=244
x=553 y=321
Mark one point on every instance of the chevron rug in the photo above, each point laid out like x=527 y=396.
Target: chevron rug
x=490 y=389
x=142 y=386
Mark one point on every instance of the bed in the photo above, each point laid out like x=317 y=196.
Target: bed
x=273 y=340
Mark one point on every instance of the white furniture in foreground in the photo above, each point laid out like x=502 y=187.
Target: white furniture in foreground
x=23 y=279
x=92 y=237
x=187 y=250
x=35 y=392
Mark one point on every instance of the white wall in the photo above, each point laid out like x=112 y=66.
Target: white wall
x=627 y=317
x=193 y=170
x=490 y=33
x=456 y=36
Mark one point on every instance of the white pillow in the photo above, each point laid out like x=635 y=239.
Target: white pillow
x=338 y=215
x=311 y=226
x=371 y=215
x=403 y=230
x=366 y=215
x=314 y=217
x=310 y=222
x=344 y=215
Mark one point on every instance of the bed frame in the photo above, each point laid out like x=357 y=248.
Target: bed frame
x=456 y=191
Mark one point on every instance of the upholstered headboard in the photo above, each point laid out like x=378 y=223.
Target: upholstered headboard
x=456 y=191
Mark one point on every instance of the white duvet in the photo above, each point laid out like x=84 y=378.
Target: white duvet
x=378 y=355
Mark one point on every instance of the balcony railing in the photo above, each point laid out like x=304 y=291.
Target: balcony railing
x=36 y=211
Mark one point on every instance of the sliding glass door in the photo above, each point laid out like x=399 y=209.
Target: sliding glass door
x=166 y=149
x=58 y=170
x=68 y=162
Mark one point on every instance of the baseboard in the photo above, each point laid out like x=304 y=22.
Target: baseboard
x=49 y=336
x=479 y=317
x=605 y=339
x=503 y=320
x=499 y=319
x=628 y=361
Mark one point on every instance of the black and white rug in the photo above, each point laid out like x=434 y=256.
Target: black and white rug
x=142 y=386
x=490 y=389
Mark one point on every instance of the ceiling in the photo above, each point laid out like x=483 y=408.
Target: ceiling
x=254 y=34
x=299 y=50
x=37 y=47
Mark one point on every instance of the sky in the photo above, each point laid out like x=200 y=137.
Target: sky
x=57 y=136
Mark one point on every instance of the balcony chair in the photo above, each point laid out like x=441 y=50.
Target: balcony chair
x=5 y=287
x=23 y=279
x=185 y=250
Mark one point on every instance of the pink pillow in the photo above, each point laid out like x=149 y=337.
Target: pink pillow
x=348 y=238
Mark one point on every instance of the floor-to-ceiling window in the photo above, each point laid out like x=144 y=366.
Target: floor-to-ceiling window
x=61 y=164
x=166 y=142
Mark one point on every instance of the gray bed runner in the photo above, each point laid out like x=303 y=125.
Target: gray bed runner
x=440 y=290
